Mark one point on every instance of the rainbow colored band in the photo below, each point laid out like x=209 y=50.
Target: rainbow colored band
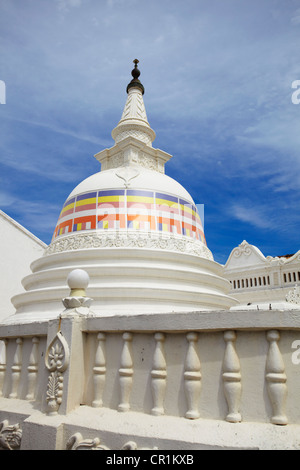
x=130 y=210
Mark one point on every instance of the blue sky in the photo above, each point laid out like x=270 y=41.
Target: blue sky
x=218 y=80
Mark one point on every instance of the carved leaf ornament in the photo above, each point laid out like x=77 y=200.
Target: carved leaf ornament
x=57 y=355
x=57 y=361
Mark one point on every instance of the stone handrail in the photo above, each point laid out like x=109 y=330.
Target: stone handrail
x=235 y=366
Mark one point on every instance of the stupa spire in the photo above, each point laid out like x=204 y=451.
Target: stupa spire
x=134 y=120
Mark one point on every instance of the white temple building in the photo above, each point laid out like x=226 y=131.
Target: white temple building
x=127 y=334
x=260 y=282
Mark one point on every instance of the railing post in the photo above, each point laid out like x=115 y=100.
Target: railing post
x=32 y=369
x=192 y=377
x=3 y=366
x=126 y=373
x=232 y=378
x=158 y=375
x=99 y=371
x=276 y=379
x=16 y=369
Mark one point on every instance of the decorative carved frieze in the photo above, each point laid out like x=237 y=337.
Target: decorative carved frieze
x=56 y=361
x=136 y=133
x=294 y=295
x=243 y=248
x=136 y=240
x=77 y=442
x=10 y=436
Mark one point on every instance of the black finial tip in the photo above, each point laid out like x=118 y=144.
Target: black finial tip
x=135 y=74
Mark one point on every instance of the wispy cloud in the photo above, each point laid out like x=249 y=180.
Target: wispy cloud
x=31 y=214
x=65 y=5
x=253 y=216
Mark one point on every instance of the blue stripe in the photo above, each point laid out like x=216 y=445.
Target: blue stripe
x=134 y=192
x=86 y=196
x=166 y=197
x=114 y=192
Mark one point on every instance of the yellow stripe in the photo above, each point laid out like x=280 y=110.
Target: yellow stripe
x=167 y=203
x=85 y=201
x=69 y=206
x=140 y=199
x=187 y=209
x=111 y=199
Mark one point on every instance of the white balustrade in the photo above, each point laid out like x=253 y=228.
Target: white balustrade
x=190 y=388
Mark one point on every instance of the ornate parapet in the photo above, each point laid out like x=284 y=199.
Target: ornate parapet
x=225 y=367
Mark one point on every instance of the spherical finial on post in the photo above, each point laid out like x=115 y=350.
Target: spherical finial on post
x=78 y=280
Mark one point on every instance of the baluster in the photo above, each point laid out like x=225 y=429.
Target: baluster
x=232 y=378
x=3 y=365
x=126 y=373
x=192 y=377
x=159 y=375
x=99 y=370
x=16 y=369
x=276 y=379
x=33 y=369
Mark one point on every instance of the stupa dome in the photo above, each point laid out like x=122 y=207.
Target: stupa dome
x=133 y=229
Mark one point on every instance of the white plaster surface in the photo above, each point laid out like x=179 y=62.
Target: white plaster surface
x=18 y=248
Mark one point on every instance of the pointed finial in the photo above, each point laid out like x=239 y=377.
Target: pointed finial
x=135 y=81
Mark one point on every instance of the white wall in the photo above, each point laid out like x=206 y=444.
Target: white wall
x=18 y=248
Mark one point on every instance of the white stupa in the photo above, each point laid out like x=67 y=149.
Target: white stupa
x=125 y=338
x=135 y=230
